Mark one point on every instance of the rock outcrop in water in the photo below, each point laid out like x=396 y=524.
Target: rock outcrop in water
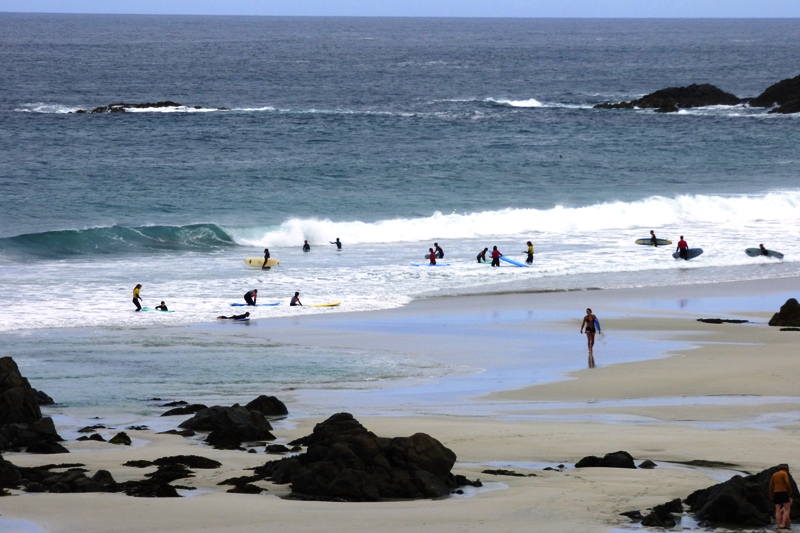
x=345 y=462
x=785 y=95
x=788 y=316
x=21 y=423
x=121 y=107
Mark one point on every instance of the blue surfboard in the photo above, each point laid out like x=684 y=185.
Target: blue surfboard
x=597 y=325
x=515 y=263
x=429 y=265
x=270 y=304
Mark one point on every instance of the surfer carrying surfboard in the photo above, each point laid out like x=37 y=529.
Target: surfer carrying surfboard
x=266 y=259
x=653 y=239
x=762 y=250
x=251 y=296
x=683 y=249
x=296 y=300
x=496 y=256
x=588 y=324
x=136 y=297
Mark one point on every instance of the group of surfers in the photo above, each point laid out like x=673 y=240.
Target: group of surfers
x=683 y=246
x=437 y=253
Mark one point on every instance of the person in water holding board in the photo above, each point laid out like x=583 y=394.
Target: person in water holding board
x=236 y=317
x=296 y=300
x=306 y=246
x=431 y=256
x=683 y=249
x=136 y=297
x=496 y=256
x=482 y=255
x=588 y=325
x=653 y=239
x=338 y=243
x=251 y=296
x=266 y=258
x=162 y=307
x=439 y=251
x=762 y=250
x=529 y=260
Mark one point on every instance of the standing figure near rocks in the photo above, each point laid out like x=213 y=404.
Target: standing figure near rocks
x=780 y=491
x=683 y=249
x=588 y=325
x=136 y=297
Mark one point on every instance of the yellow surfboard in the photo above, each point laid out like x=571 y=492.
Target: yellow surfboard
x=259 y=262
x=331 y=304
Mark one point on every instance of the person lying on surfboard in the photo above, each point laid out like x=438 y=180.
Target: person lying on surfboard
x=296 y=300
x=235 y=317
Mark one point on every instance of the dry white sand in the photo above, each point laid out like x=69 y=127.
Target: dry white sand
x=732 y=395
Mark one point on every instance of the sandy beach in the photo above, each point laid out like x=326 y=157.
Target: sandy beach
x=666 y=388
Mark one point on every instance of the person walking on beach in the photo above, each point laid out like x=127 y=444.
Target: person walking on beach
x=529 y=260
x=136 y=297
x=296 y=300
x=306 y=246
x=683 y=249
x=266 y=258
x=496 y=256
x=588 y=325
x=338 y=243
x=482 y=255
x=251 y=296
x=780 y=492
x=432 y=256
x=439 y=251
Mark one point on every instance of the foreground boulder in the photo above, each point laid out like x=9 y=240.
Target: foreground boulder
x=672 y=99
x=788 y=316
x=346 y=462
x=230 y=426
x=21 y=423
x=619 y=459
x=742 y=501
x=785 y=95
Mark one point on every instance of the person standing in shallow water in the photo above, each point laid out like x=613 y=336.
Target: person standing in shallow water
x=266 y=258
x=588 y=325
x=780 y=492
x=136 y=297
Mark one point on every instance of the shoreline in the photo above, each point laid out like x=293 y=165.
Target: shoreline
x=673 y=390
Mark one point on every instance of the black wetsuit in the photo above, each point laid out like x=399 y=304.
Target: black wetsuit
x=306 y=247
x=248 y=297
x=439 y=253
x=295 y=301
x=266 y=258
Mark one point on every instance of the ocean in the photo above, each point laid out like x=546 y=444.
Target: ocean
x=390 y=134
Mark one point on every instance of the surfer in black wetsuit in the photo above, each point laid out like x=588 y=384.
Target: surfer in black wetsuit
x=482 y=255
x=236 y=317
x=295 y=300
x=338 y=243
x=162 y=307
x=266 y=258
x=306 y=246
x=762 y=250
x=251 y=296
x=439 y=251
x=653 y=239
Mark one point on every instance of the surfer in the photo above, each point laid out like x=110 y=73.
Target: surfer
x=266 y=258
x=296 y=300
x=653 y=239
x=529 y=260
x=683 y=249
x=136 y=297
x=162 y=307
x=482 y=255
x=236 y=317
x=432 y=256
x=306 y=246
x=588 y=325
x=762 y=250
x=439 y=251
x=338 y=243
x=780 y=492
x=251 y=296
x=496 y=256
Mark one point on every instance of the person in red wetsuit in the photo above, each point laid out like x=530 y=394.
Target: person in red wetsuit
x=432 y=256
x=683 y=248
x=496 y=256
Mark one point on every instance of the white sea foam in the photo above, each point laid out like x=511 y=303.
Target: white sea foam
x=530 y=102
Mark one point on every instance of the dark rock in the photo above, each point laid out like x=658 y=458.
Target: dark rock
x=276 y=448
x=103 y=477
x=225 y=439
x=35 y=487
x=191 y=461
x=46 y=447
x=182 y=433
x=345 y=462
x=230 y=426
x=788 y=316
x=121 y=107
x=785 y=95
x=138 y=463
x=672 y=99
x=43 y=398
x=241 y=480
x=120 y=438
x=722 y=321
x=171 y=472
x=91 y=429
x=742 y=501
x=188 y=410
x=18 y=402
x=247 y=489
x=175 y=404
x=703 y=463
x=647 y=464
x=501 y=472
x=790 y=329
x=137 y=428
x=93 y=436
x=633 y=515
x=268 y=406
x=147 y=489
x=619 y=459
